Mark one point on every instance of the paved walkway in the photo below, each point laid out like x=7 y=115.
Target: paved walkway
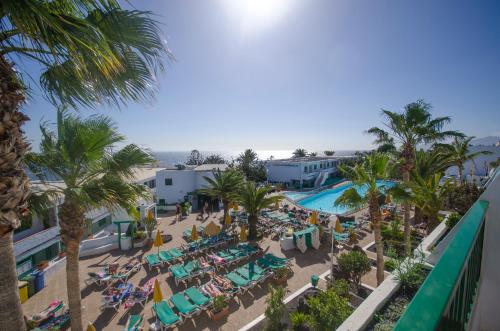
x=243 y=308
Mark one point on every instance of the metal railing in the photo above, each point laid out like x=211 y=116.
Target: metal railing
x=446 y=298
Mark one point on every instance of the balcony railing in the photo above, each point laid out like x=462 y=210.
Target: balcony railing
x=445 y=299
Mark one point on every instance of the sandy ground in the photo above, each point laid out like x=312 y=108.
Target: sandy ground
x=243 y=308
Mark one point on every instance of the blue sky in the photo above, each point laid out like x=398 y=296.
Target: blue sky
x=283 y=74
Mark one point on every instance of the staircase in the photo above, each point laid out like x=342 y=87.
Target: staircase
x=323 y=176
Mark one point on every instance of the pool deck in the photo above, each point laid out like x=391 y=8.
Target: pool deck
x=243 y=308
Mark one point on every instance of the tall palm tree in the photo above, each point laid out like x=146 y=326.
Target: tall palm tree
x=88 y=53
x=80 y=153
x=374 y=168
x=224 y=186
x=299 y=152
x=254 y=199
x=329 y=152
x=246 y=161
x=459 y=153
x=409 y=129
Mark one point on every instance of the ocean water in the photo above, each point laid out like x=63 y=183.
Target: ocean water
x=179 y=157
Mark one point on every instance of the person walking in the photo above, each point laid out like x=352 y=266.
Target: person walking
x=178 y=216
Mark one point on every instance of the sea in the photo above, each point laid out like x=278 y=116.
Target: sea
x=171 y=158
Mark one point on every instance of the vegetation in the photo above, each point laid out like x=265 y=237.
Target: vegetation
x=408 y=129
x=78 y=152
x=275 y=309
x=214 y=159
x=299 y=152
x=195 y=158
x=411 y=273
x=458 y=153
x=354 y=264
x=248 y=163
x=374 y=167
x=254 y=199
x=461 y=198
x=299 y=321
x=391 y=314
x=88 y=53
x=453 y=219
x=329 y=153
x=224 y=186
x=340 y=286
x=219 y=303
x=327 y=310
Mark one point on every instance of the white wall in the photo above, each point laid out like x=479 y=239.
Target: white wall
x=183 y=181
x=283 y=172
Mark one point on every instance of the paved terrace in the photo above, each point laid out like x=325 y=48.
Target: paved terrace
x=244 y=308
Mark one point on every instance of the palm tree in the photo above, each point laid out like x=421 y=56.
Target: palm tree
x=80 y=153
x=224 y=186
x=366 y=174
x=459 y=153
x=409 y=129
x=254 y=199
x=88 y=52
x=195 y=158
x=299 y=152
x=214 y=159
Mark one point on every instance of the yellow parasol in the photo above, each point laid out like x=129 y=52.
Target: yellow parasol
x=150 y=215
x=158 y=240
x=235 y=206
x=157 y=295
x=338 y=227
x=314 y=218
x=243 y=233
x=194 y=233
x=211 y=229
x=227 y=221
x=91 y=327
x=388 y=199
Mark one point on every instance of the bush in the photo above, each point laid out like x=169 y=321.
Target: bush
x=391 y=315
x=354 y=264
x=390 y=265
x=327 y=310
x=341 y=287
x=453 y=219
x=219 y=303
x=411 y=274
x=299 y=321
x=275 y=308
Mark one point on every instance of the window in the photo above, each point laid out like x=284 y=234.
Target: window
x=168 y=181
x=305 y=169
x=161 y=202
x=315 y=166
x=153 y=183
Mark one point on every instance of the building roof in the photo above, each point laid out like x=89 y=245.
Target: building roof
x=141 y=174
x=211 y=167
x=305 y=159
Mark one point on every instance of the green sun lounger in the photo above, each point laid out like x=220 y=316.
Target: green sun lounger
x=191 y=266
x=265 y=263
x=237 y=280
x=165 y=256
x=175 y=252
x=134 y=323
x=248 y=274
x=153 y=260
x=165 y=314
x=184 y=307
x=254 y=267
x=197 y=297
x=178 y=271
x=274 y=258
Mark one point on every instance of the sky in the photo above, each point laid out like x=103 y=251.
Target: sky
x=283 y=74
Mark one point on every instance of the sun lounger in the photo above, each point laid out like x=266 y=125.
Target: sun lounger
x=251 y=275
x=114 y=296
x=175 y=252
x=153 y=261
x=185 y=308
x=242 y=283
x=98 y=278
x=166 y=315
x=166 y=257
x=276 y=259
x=140 y=295
x=198 y=298
x=127 y=270
x=134 y=323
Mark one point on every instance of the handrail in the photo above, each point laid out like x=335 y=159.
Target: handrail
x=445 y=299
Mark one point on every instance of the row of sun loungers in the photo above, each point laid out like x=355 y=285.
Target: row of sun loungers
x=111 y=273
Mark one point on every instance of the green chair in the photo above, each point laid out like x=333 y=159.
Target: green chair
x=185 y=308
x=198 y=298
x=134 y=323
x=153 y=261
x=166 y=315
x=166 y=257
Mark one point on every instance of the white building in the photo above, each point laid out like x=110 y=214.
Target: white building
x=302 y=172
x=181 y=184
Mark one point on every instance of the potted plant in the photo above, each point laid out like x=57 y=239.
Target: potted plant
x=299 y=321
x=280 y=276
x=220 y=308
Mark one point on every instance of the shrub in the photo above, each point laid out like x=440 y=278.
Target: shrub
x=219 y=303
x=411 y=274
x=281 y=273
x=327 y=310
x=354 y=264
x=275 y=308
x=341 y=287
x=299 y=321
x=390 y=265
x=391 y=315
x=453 y=219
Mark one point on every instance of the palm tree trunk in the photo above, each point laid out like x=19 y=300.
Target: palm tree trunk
x=14 y=191
x=460 y=174
x=11 y=314
x=225 y=205
x=252 y=231
x=376 y=217
x=406 y=219
x=72 y=221
x=417 y=218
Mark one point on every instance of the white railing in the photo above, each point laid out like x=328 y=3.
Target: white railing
x=35 y=240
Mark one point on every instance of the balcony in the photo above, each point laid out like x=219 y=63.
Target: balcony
x=36 y=242
x=463 y=289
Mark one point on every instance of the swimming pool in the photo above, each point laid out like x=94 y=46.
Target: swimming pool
x=324 y=201
x=296 y=195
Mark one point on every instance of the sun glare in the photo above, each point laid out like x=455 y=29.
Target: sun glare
x=257 y=14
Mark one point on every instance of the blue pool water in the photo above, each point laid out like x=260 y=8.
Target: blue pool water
x=324 y=201
x=296 y=195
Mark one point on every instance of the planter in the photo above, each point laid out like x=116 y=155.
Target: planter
x=279 y=280
x=219 y=315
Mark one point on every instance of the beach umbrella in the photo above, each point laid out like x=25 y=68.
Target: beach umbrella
x=235 y=206
x=157 y=295
x=277 y=204
x=150 y=215
x=194 y=233
x=212 y=229
x=158 y=240
x=387 y=199
x=91 y=327
x=227 y=221
x=243 y=233
x=338 y=227
x=314 y=218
